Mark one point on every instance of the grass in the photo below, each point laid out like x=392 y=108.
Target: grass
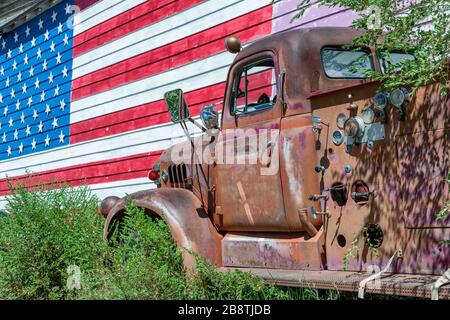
x=49 y=234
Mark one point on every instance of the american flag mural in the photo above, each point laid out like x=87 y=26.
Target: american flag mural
x=81 y=84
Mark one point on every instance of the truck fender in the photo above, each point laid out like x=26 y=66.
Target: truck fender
x=189 y=223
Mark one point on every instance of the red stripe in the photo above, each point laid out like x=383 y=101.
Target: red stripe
x=128 y=21
x=153 y=113
x=83 y=4
x=124 y=168
x=247 y=27
x=142 y=116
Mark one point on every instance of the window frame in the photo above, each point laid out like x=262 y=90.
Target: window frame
x=238 y=76
x=380 y=59
x=340 y=48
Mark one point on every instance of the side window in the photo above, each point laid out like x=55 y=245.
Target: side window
x=346 y=64
x=392 y=62
x=254 y=88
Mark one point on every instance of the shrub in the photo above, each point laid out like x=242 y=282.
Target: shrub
x=45 y=233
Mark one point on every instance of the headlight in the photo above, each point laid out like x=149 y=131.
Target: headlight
x=354 y=127
x=399 y=97
x=340 y=120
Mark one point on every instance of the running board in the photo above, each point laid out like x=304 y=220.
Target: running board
x=410 y=285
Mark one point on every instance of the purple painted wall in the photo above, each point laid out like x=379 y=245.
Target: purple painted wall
x=314 y=16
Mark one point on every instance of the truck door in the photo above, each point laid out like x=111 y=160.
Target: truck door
x=248 y=187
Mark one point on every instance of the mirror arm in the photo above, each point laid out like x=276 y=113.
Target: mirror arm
x=197 y=125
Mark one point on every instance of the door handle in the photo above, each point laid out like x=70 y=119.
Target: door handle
x=269 y=146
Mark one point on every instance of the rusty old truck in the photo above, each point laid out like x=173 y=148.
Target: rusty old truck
x=310 y=175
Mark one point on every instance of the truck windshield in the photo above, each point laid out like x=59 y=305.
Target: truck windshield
x=391 y=62
x=343 y=63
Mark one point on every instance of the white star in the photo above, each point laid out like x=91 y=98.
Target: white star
x=55 y=123
x=50 y=77
x=11 y=122
x=5 y=111
x=21 y=48
x=58 y=58
x=47 y=109
x=3 y=44
x=44 y=65
x=31 y=71
x=40 y=126
x=1 y=97
x=56 y=90
x=13 y=93
x=62 y=104
x=66 y=39
x=46 y=35
x=33 y=42
x=9 y=151
x=40 y=23
x=52 y=47
x=68 y=9
x=21 y=147
x=30 y=101
x=33 y=144
x=39 y=53
x=19 y=76
x=7 y=82
x=24 y=88
x=4 y=137
x=64 y=71
x=60 y=27
x=25 y=59
x=16 y=135
x=14 y=65
x=61 y=137
x=47 y=141
x=35 y=114
x=16 y=37
x=2 y=71
x=54 y=16
x=27 y=31
x=36 y=83
x=22 y=118
x=28 y=130
x=42 y=96
x=9 y=53
x=17 y=105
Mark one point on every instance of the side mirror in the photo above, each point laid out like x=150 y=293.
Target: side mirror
x=176 y=105
x=210 y=117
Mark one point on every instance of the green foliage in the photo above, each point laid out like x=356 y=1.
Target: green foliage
x=45 y=232
x=49 y=230
x=417 y=27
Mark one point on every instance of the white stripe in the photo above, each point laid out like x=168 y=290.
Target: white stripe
x=117 y=188
x=125 y=144
x=100 y=12
x=188 y=77
x=178 y=26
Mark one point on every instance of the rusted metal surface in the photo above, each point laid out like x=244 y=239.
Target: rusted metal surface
x=285 y=251
x=182 y=211
x=406 y=171
x=412 y=285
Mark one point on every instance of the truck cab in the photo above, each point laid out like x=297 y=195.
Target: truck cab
x=308 y=166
